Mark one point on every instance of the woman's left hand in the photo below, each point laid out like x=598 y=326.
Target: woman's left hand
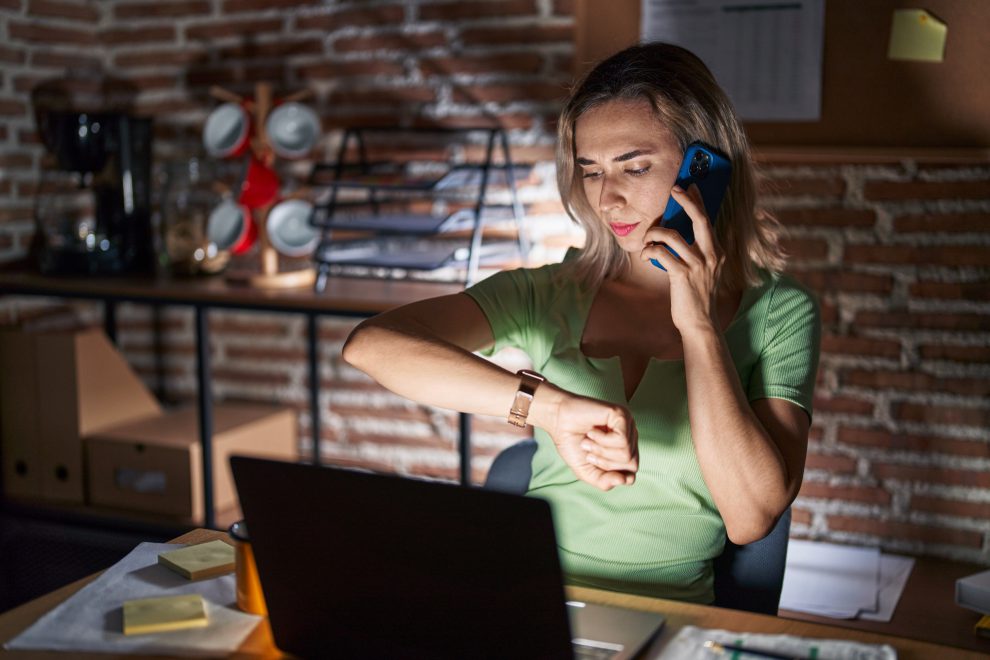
x=696 y=270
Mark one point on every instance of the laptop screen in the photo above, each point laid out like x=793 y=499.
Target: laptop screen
x=366 y=565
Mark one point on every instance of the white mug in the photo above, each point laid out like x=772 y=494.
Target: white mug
x=227 y=131
x=231 y=227
x=293 y=129
x=289 y=230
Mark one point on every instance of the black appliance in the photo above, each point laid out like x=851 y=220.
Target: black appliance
x=93 y=206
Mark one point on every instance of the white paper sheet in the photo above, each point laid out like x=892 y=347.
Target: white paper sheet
x=828 y=579
x=92 y=619
x=689 y=644
x=766 y=55
x=894 y=573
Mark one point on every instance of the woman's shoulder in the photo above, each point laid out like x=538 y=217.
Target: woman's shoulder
x=782 y=287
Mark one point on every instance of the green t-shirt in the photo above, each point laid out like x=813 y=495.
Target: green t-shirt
x=658 y=536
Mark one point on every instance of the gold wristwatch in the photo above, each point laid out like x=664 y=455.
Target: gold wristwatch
x=528 y=382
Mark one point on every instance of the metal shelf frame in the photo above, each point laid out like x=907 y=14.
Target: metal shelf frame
x=361 y=175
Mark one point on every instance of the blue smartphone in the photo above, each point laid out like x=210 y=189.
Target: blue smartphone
x=711 y=172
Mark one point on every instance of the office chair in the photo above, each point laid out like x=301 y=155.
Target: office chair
x=747 y=577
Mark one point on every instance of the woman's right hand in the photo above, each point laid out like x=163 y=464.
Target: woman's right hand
x=596 y=439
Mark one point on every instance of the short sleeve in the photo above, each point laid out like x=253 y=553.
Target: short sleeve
x=515 y=304
x=788 y=364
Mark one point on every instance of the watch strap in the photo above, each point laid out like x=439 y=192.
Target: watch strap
x=528 y=382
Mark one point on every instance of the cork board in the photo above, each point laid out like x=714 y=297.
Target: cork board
x=867 y=99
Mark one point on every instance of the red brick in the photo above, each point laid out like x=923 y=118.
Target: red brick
x=858 y=218
x=520 y=154
x=954 y=353
x=509 y=121
x=976 y=291
x=842 y=280
x=141 y=35
x=913 y=381
x=161 y=8
x=925 y=444
x=843 y=404
x=220 y=75
x=507 y=62
x=901 y=190
x=12 y=55
x=923 y=320
x=408 y=42
x=65 y=10
x=10 y=4
x=49 y=35
x=518 y=34
x=212 y=31
x=237 y=6
x=157 y=58
x=927 y=474
x=962 y=509
x=265 y=355
x=888 y=348
x=15 y=215
x=162 y=109
x=244 y=326
x=359 y=17
x=27 y=138
x=379 y=96
x=16 y=160
x=281 y=48
x=507 y=93
x=62 y=60
x=335 y=70
x=831 y=463
x=800 y=516
x=806 y=248
x=396 y=440
x=864 y=494
x=830 y=313
x=902 y=530
x=795 y=187
x=935 y=414
x=146 y=83
x=943 y=222
x=452 y=11
x=945 y=255
x=246 y=376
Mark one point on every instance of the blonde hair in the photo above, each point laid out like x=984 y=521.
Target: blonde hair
x=687 y=100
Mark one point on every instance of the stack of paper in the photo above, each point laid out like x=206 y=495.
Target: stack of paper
x=843 y=582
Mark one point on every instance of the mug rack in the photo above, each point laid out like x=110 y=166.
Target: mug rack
x=269 y=275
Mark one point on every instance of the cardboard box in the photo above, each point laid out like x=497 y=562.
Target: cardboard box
x=19 y=418
x=155 y=465
x=61 y=386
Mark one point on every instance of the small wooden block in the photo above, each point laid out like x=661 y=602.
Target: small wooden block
x=150 y=615
x=200 y=561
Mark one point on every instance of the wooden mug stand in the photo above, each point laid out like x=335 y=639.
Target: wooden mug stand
x=270 y=275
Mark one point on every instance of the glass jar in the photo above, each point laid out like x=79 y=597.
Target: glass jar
x=192 y=189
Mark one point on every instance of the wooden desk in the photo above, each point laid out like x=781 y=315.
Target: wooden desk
x=351 y=297
x=926 y=610
x=258 y=644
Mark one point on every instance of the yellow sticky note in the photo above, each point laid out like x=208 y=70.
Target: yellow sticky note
x=917 y=35
x=149 y=615
x=200 y=561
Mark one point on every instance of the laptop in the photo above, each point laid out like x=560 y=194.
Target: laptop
x=361 y=565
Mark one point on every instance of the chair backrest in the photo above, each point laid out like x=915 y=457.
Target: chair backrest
x=747 y=577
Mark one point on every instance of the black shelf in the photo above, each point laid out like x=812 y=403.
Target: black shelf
x=359 y=194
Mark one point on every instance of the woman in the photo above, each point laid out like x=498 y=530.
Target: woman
x=671 y=406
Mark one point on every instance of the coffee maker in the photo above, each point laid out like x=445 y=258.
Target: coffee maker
x=93 y=205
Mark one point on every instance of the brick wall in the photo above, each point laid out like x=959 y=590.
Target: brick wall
x=896 y=246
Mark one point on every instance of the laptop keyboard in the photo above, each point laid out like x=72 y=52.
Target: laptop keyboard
x=589 y=652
